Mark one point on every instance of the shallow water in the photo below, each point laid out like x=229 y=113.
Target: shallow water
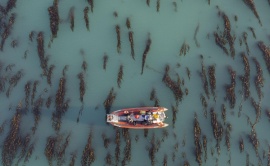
x=168 y=29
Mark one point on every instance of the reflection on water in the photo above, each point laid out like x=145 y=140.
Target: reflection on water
x=64 y=65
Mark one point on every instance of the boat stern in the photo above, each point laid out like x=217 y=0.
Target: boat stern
x=112 y=118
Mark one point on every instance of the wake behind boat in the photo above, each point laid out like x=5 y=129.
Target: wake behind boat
x=138 y=118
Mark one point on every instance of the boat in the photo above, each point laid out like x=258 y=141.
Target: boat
x=138 y=118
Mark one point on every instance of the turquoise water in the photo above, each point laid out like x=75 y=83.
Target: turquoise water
x=168 y=29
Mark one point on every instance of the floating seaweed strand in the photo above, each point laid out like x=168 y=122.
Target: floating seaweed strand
x=2 y=78
x=49 y=149
x=2 y=127
x=176 y=89
x=195 y=35
x=13 y=140
x=2 y=84
x=230 y=89
x=59 y=99
x=13 y=81
x=9 y=67
x=105 y=60
x=217 y=129
x=165 y=160
x=184 y=49
x=120 y=76
x=188 y=72
x=156 y=102
x=117 y=29
x=148 y=3
x=49 y=75
x=205 y=147
x=153 y=94
x=175 y=6
x=108 y=159
x=14 y=43
x=10 y=5
x=186 y=163
x=86 y=18
x=55 y=150
x=60 y=104
x=221 y=42
x=115 y=14
x=27 y=94
x=82 y=86
x=88 y=156
x=2 y=11
x=212 y=79
x=36 y=112
x=227 y=34
x=253 y=32
x=54 y=18
x=84 y=66
x=117 y=147
x=29 y=152
x=266 y=53
x=247 y=160
x=34 y=91
x=251 y=5
x=31 y=35
x=152 y=150
x=204 y=104
x=158 y=5
x=268 y=157
x=1 y=67
x=259 y=79
x=91 y=3
x=245 y=35
x=71 y=17
x=245 y=78
x=257 y=108
x=128 y=23
x=65 y=69
x=241 y=145
x=146 y=50
x=254 y=140
x=204 y=78
x=197 y=142
x=73 y=158
x=228 y=136
x=223 y=113
x=106 y=140
x=82 y=89
x=154 y=98
x=7 y=30
x=48 y=102
x=41 y=53
x=61 y=150
x=127 y=148
x=174 y=111
x=109 y=100
x=130 y=37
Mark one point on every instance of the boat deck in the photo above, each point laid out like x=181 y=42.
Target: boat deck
x=138 y=118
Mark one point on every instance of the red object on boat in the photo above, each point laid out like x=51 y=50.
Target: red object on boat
x=138 y=118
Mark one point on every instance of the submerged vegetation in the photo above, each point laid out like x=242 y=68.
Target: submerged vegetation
x=204 y=77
